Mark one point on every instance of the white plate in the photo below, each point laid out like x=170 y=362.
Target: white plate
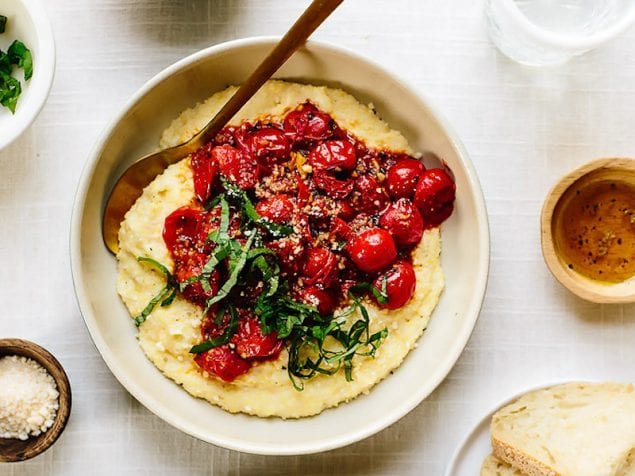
x=136 y=131
x=469 y=455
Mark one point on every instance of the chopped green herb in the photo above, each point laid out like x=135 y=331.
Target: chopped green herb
x=381 y=295
x=165 y=296
x=236 y=264
x=276 y=230
x=20 y=56
x=224 y=338
x=10 y=90
x=307 y=332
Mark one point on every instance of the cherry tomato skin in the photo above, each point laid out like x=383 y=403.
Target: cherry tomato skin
x=372 y=250
x=222 y=362
x=435 y=195
x=251 y=343
x=182 y=229
x=332 y=186
x=235 y=166
x=402 y=178
x=370 y=195
x=205 y=170
x=269 y=145
x=340 y=229
x=403 y=221
x=400 y=284
x=194 y=292
x=290 y=254
x=308 y=123
x=346 y=211
x=277 y=209
x=322 y=300
x=333 y=155
x=320 y=267
x=303 y=192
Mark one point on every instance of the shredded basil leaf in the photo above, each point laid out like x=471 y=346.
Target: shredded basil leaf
x=236 y=265
x=224 y=338
x=276 y=230
x=165 y=296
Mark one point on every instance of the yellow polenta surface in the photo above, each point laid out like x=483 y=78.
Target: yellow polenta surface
x=169 y=332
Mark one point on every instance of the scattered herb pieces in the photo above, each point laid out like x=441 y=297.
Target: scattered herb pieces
x=17 y=55
x=20 y=55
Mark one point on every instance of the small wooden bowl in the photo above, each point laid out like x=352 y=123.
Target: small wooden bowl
x=18 y=450
x=622 y=170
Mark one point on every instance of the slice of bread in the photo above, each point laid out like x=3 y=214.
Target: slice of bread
x=492 y=466
x=575 y=429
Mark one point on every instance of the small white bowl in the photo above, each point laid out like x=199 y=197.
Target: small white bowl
x=136 y=131
x=27 y=22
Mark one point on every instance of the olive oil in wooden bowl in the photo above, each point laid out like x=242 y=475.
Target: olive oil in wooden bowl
x=588 y=231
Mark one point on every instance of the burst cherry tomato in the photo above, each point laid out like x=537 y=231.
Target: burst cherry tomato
x=370 y=196
x=235 y=166
x=195 y=292
x=182 y=230
x=401 y=178
x=403 y=221
x=322 y=300
x=269 y=145
x=400 y=282
x=372 y=250
x=340 y=229
x=320 y=267
x=331 y=185
x=434 y=196
x=308 y=123
x=290 y=252
x=278 y=208
x=222 y=362
x=251 y=343
x=204 y=170
x=334 y=155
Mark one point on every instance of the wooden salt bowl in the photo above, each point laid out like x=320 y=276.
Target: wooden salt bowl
x=18 y=450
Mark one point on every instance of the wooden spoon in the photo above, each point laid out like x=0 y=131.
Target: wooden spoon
x=130 y=185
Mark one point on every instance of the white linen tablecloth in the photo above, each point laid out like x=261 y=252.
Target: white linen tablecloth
x=523 y=128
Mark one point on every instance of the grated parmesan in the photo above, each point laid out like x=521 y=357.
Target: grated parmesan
x=29 y=399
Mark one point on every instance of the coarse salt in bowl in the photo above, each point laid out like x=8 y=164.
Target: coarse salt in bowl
x=135 y=132
x=27 y=22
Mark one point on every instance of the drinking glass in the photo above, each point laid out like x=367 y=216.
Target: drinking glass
x=550 y=32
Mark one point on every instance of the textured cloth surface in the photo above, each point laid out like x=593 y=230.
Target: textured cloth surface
x=522 y=127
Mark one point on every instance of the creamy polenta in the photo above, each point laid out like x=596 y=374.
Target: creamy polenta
x=169 y=332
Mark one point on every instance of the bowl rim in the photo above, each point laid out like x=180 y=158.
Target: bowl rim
x=581 y=286
x=346 y=438
x=47 y=360
x=45 y=64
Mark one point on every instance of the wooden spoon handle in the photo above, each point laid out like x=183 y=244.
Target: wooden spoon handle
x=312 y=17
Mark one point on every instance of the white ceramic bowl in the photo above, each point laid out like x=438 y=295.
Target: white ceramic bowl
x=29 y=24
x=135 y=132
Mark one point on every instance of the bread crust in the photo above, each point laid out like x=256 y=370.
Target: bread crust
x=523 y=462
